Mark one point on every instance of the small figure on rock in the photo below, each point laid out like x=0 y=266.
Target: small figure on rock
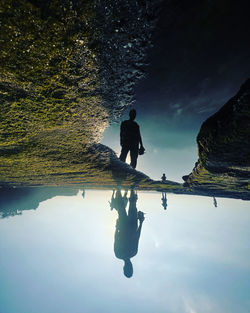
x=163 y=178
x=130 y=139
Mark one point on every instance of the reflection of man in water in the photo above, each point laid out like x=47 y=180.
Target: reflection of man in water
x=130 y=138
x=215 y=202
x=118 y=200
x=164 y=200
x=127 y=231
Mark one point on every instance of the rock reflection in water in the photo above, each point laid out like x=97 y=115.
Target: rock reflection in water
x=14 y=200
x=127 y=233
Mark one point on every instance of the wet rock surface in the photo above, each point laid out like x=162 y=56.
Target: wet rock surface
x=224 y=149
x=67 y=70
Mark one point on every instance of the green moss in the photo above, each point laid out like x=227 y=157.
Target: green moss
x=47 y=122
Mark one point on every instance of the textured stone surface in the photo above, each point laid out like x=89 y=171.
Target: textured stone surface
x=224 y=147
x=67 y=69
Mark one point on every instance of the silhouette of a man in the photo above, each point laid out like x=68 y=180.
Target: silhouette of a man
x=130 y=139
x=164 y=200
x=118 y=201
x=215 y=202
x=164 y=178
x=127 y=233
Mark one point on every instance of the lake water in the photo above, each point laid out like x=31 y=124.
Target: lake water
x=57 y=253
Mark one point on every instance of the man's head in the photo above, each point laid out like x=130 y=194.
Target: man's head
x=128 y=268
x=132 y=114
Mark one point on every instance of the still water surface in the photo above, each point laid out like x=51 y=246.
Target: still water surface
x=62 y=257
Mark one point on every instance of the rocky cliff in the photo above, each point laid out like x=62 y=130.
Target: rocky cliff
x=67 y=69
x=224 y=148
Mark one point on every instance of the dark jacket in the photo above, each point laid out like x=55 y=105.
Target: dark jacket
x=130 y=133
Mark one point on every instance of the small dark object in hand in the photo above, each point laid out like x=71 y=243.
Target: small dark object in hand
x=141 y=151
x=140 y=216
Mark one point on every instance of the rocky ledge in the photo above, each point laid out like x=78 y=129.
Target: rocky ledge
x=224 y=149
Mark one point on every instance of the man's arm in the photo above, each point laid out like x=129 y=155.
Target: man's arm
x=141 y=220
x=140 y=140
x=121 y=133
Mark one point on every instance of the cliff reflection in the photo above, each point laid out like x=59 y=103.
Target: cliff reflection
x=127 y=233
x=14 y=200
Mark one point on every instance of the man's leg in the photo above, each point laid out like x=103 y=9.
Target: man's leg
x=132 y=211
x=124 y=153
x=133 y=156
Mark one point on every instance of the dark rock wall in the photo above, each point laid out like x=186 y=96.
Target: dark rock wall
x=224 y=147
x=224 y=138
x=124 y=35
